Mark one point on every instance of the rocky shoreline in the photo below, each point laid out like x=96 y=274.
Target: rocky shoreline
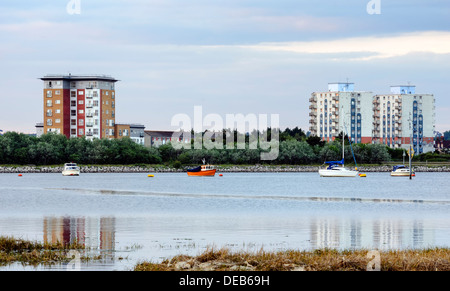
x=223 y=169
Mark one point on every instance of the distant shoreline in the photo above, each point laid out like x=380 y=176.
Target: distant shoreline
x=220 y=169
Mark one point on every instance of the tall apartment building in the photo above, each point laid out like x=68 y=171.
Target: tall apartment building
x=341 y=109
x=403 y=117
x=398 y=119
x=79 y=105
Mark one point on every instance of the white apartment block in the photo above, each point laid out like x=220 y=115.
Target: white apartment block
x=403 y=118
x=341 y=109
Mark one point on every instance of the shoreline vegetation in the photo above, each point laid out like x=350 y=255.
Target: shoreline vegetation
x=291 y=151
x=433 y=259
x=142 y=168
x=30 y=253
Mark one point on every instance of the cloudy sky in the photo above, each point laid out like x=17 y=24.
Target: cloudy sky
x=228 y=56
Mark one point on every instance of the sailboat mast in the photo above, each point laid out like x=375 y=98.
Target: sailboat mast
x=343 y=149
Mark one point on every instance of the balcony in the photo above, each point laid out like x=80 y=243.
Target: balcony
x=89 y=124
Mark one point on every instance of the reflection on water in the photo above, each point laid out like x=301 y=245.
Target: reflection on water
x=100 y=234
x=96 y=234
x=377 y=234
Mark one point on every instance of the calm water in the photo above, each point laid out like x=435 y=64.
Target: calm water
x=128 y=218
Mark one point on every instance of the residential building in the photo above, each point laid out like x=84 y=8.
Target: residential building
x=341 y=109
x=137 y=133
x=156 y=138
x=403 y=118
x=39 y=129
x=121 y=130
x=81 y=105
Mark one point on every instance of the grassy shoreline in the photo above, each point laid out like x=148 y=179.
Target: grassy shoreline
x=434 y=259
x=29 y=253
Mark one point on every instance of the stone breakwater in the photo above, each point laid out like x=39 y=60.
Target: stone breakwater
x=228 y=169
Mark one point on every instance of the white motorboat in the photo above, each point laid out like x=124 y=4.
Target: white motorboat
x=71 y=169
x=337 y=169
x=401 y=171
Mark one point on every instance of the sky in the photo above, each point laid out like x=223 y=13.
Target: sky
x=227 y=56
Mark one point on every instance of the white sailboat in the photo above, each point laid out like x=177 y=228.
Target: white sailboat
x=337 y=168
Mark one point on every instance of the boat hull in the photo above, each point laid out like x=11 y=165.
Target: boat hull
x=202 y=173
x=401 y=174
x=71 y=173
x=337 y=173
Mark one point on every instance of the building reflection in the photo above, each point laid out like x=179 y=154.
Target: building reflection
x=377 y=234
x=94 y=233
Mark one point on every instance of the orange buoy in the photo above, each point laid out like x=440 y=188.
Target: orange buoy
x=20 y=175
x=220 y=175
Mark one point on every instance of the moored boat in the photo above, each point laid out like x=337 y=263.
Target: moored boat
x=203 y=170
x=401 y=171
x=337 y=169
x=71 y=169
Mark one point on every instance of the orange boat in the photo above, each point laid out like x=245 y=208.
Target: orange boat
x=204 y=170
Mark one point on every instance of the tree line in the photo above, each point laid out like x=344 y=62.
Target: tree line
x=295 y=148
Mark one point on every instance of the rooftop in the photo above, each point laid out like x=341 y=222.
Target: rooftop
x=83 y=77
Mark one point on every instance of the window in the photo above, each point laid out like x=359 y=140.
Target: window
x=81 y=102
x=73 y=113
x=49 y=112
x=57 y=101
x=80 y=92
x=73 y=103
x=49 y=93
x=58 y=111
x=81 y=131
x=57 y=92
x=81 y=111
x=49 y=122
x=73 y=122
x=73 y=131
x=81 y=122
x=73 y=94
x=49 y=103
x=57 y=120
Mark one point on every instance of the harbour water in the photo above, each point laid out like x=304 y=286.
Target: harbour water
x=128 y=218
